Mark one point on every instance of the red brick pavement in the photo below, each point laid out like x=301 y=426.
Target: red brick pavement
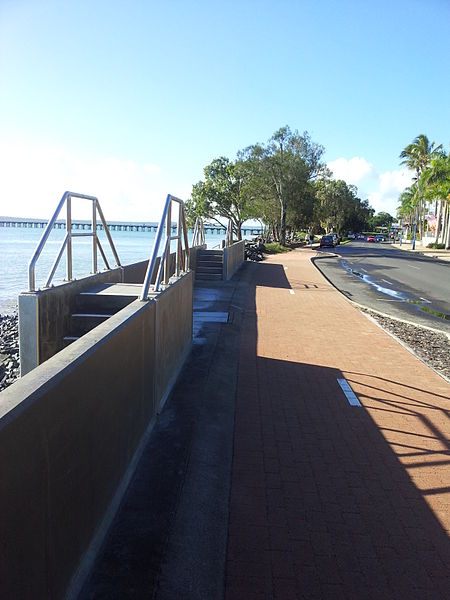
x=330 y=500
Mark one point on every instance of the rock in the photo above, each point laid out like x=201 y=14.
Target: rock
x=431 y=346
x=9 y=350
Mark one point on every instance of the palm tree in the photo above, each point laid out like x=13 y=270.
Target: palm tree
x=436 y=184
x=417 y=156
x=408 y=205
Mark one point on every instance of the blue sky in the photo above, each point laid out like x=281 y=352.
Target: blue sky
x=130 y=100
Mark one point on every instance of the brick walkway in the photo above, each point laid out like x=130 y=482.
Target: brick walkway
x=330 y=500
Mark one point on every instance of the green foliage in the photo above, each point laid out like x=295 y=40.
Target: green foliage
x=223 y=193
x=338 y=208
x=284 y=184
x=283 y=169
x=436 y=246
x=275 y=248
x=382 y=219
x=417 y=155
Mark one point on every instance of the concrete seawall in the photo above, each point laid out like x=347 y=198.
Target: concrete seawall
x=233 y=257
x=69 y=431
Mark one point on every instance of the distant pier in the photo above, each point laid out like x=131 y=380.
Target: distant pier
x=114 y=226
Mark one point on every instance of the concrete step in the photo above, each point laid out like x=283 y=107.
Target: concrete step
x=210 y=263
x=210 y=255
x=101 y=303
x=208 y=276
x=209 y=268
x=81 y=323
x=209 y=272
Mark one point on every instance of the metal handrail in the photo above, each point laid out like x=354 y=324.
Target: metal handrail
x=198 y=238
x=67 y=242
x=182 y=257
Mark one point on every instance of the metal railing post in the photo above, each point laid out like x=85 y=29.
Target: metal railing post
x=94 y=236
x=169 y=235
x=178 y=255
x=69 y=237
x=186 y=242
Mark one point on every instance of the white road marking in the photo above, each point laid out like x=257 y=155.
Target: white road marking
x=413 y=267
x=349 y=393
x=425 y=300
x=363 y=270
x=388 y=282
x=291 y=292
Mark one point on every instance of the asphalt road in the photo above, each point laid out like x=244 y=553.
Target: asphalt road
x=392 y=281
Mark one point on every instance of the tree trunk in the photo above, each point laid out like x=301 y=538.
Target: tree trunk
x=283 y=223
x=447 y=240
x=438 y=212
x=444 y=223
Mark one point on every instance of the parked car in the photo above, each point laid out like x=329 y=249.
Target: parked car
x=370 y=238
x=337 y=239
x=380 y=238
x=327 y=241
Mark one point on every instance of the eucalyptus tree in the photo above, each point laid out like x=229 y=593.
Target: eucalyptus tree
x=381 y=219
x=224 y=193
x=282 y=169
x=417 y=156
x=338 y=208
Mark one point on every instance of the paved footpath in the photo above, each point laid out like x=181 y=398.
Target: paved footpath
x=330 y=500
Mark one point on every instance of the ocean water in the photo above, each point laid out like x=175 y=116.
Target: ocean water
x=17 y=246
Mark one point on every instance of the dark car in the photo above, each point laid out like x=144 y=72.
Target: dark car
x=327 y=241
x=337 y=239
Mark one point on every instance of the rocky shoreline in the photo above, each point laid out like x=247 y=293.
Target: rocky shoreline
x=9 y=350
x=430 y=346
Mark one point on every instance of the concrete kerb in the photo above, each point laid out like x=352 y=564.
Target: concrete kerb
x=358 y=305
x=427 y=253
x=444 y=377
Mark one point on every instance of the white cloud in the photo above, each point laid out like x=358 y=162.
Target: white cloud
x=352 y=171
x=381 y=189
x=390 y=184
x=34 y=177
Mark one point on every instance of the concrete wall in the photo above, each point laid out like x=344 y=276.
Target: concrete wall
x=135 y=273
x=193 y=255
x=233 y=257
x=173 y=333
x=44 y=317
x=69 y=431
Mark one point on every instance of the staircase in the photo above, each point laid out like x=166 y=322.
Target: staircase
x=95 y=306
x=209 y=265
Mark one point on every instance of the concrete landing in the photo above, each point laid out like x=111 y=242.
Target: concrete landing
x=115 y=289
